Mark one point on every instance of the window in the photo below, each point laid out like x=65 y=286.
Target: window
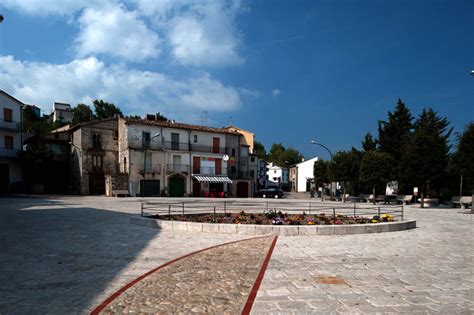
x=9 y=142
x=7 y=114
x=252 y=159
x=233 y=169
x=175 y=141
x=274 y=171
x=145 y=139
x=252 y=174
x=233 y=152
x=195 y=138
x=96 y=161
x=96 y=140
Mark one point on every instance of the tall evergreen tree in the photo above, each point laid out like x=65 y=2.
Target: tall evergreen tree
x=394 y=133
x=425 y=160
x=376 y=169
x=344 y=167
x=369 y=143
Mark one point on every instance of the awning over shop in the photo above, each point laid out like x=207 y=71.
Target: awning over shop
x=212 y=179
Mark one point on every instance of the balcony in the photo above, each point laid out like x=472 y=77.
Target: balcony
x=10 y=153
x=10 y=125
x=154 y=168
x=208 y=149
x=209 y=171
x=177 y=168
x=240 y=175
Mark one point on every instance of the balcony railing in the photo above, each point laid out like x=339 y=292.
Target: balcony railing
x=240 y=175
x=208 y=148
x=154 y=168
x=10 y=125
x=209 y=171
x=177 y=168
x=12 y=153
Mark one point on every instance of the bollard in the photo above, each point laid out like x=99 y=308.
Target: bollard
x=214 y=213
x=334 y=212
x=141 y=211
x=354 y=209
x=169 y=212
x=225 y=206
x=402 y=211
x=310 y=207
x=379 y=212
x=183 y=208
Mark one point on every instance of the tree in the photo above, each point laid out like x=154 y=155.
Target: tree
x=425 y=161
x=281 y=156
x=395 y=133
x=321 y=173
x=259 y=150
x=344 y=167
x=106 y=110
x=369 y=143
x=463 y=159
x=161 y=117
x=376 y=169
x=82 y=113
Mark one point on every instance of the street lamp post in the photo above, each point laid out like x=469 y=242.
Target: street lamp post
x=144 y=163
x=330 y=154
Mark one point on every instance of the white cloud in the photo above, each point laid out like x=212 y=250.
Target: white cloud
x=200 y=32
x=249 y=92
x=135 y=91
x=276 y=92
x=47 y=7
x=113 y=30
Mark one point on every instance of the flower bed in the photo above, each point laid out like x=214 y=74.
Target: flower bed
x=271 y=217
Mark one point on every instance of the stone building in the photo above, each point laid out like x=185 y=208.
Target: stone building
x=165 y=158
x=94 y=155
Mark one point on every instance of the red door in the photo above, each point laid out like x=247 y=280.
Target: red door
x=218 y=166
x=196 y=188
x=197 y=165
x=215 y=145
x=242 y=189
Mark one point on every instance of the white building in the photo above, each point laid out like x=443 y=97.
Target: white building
x=277 y=176
x=10 y=141
x=62 y=112
x=304 y=174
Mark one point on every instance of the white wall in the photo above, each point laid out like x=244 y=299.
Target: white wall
x=304 y=170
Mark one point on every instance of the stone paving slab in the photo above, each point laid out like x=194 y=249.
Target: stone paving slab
x=216 y=280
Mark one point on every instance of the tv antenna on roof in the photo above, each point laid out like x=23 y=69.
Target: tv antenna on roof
x=204 y=118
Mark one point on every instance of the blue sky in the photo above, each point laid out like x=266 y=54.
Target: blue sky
x=290 y=71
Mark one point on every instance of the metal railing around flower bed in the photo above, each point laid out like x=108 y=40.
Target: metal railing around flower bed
x=168 y=209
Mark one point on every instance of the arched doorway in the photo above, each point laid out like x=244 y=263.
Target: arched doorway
x=176 y=186
x=242 y=189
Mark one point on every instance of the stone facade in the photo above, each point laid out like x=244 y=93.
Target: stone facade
x=94 y=154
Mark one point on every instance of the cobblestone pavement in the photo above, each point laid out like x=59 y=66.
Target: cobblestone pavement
x=63 y=255
x=217 y=280
x=426 y=270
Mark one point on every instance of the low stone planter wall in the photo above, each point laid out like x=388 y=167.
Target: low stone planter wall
x=286 y=230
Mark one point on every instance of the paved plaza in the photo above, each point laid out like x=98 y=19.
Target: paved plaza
x=66 y=255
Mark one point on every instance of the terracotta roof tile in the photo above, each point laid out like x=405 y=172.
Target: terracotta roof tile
x=179 y=126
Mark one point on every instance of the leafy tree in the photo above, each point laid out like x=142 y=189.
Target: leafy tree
x=321 y=172
x=259 y=150
x=106 y=110
x=161 y=117
x=281 y=156
x=395 y=133
x=344 y=167
x=376 y=169
x=82 y=113
x=133 y=117
x=463 y=159
x=369 y=143
x=425 y=160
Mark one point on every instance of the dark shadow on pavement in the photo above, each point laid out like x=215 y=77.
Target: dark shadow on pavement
x=60 y=260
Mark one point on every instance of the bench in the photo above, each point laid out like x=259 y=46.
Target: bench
x=463 y=201
x=117 y=192
x=366 y=198
x=404 y=199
